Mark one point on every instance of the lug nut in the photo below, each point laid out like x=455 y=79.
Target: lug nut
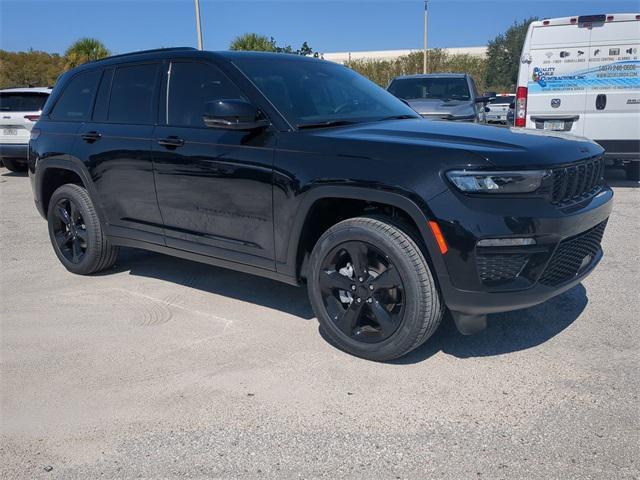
x=369 y=300
x=353 y=287
x=360 y=279
x=358 y=299
x=370 y=287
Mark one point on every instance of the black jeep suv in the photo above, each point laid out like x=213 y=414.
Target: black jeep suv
x=303 y=171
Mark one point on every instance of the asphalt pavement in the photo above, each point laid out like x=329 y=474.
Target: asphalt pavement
x=165 y=368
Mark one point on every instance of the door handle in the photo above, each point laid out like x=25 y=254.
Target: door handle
x=601 y=101
x=91 y=137
x=171 y=142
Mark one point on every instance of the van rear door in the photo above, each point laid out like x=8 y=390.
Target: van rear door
x=556 y=92
x=612 y=113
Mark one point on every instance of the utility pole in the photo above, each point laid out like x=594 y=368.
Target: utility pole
x=198 y=26
x=426 y=24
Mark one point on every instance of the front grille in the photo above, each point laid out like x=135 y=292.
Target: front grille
x=576 y=182
x=569 y=258
x=500 y=267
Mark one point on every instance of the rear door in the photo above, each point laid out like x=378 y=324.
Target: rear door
x=115 y=144
x=613 y=85
x=556 y=87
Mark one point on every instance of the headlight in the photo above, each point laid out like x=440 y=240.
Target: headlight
x=524 y=181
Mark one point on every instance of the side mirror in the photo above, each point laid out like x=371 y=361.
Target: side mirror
x=487 y=109
x=483 y=99
x=233 y=114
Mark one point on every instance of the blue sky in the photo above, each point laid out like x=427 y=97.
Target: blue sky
x=330 y=25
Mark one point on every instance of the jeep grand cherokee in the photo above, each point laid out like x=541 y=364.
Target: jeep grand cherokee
x=303 y=171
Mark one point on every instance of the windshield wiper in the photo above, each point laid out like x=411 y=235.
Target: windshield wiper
x=398 y=117
x=328 y=123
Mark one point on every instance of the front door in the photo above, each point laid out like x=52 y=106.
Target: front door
x=214 y=186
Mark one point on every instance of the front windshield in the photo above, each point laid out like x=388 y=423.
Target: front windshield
x=310 y=92
x=439 y=88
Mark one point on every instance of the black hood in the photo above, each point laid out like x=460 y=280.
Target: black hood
x=502 y=147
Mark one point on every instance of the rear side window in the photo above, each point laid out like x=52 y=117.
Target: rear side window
x=132 y=94
x=191 y=86
x=22 y=101
x=76 y=101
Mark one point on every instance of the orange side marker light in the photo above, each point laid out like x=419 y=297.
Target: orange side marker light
x=437 y=233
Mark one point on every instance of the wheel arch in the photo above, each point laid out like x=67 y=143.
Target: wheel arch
x=418 y=217
x=55 y=172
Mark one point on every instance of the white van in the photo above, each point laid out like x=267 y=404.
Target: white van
x=582 y=75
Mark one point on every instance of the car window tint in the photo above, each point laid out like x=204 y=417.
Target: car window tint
x=76 y=101
x=191 y=86
x=22 y=101
x=132 y=94
x=310 y=91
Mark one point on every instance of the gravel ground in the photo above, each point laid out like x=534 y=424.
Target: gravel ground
x=166 y=368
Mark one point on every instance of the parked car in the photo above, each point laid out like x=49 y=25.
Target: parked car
x=582 y=75
x=19 y=110
x=441 y=96
x=305 y=172
x=498 y=108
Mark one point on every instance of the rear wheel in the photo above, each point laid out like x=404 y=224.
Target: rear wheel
x=14 y=166
x=632 y=170
x=76 y=233
x=371 y=289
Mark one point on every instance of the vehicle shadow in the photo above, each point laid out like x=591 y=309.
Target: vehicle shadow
x=616 y=177
x=8 y=173
x=219 y=281
x=506 y=332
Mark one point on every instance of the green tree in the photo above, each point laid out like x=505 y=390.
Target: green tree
x=261 y=43
x=253 y=42
x=85 y=50
x=503 y=56
x=32 y=68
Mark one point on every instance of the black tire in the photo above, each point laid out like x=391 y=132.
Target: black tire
x=76 y=233
x=387 y=245
x=632 y=171
x=14 y=166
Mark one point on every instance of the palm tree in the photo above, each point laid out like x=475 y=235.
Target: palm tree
x=85 y=50
x=254 y=42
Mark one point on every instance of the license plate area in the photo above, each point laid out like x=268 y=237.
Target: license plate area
x=554 y=125
x=10 y=131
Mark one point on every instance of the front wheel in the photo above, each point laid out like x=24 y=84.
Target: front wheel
x=14 y=166
x=372 y=290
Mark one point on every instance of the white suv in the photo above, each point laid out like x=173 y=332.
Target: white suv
x=19 y=110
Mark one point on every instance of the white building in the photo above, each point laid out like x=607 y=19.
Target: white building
x=342 y=57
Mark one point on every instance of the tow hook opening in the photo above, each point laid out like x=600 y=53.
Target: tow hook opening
x=469 y=324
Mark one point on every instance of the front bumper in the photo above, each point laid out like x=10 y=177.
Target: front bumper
x=472 y=286
x=17 y=152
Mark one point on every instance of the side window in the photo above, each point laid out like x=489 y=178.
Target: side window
x=132 y=94
x=191 y=86
x=76 y=101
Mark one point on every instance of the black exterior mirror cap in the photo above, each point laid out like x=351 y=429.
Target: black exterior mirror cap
x=482 y=99
x=233 y=114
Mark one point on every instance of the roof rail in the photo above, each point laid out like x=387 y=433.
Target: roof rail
x=154 y=50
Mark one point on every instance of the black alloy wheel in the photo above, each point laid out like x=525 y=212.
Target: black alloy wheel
x=70 y=231
x=77 y=235
x=362 y=291
x=371 y=288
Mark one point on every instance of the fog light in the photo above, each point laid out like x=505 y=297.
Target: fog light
x=506 y=242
